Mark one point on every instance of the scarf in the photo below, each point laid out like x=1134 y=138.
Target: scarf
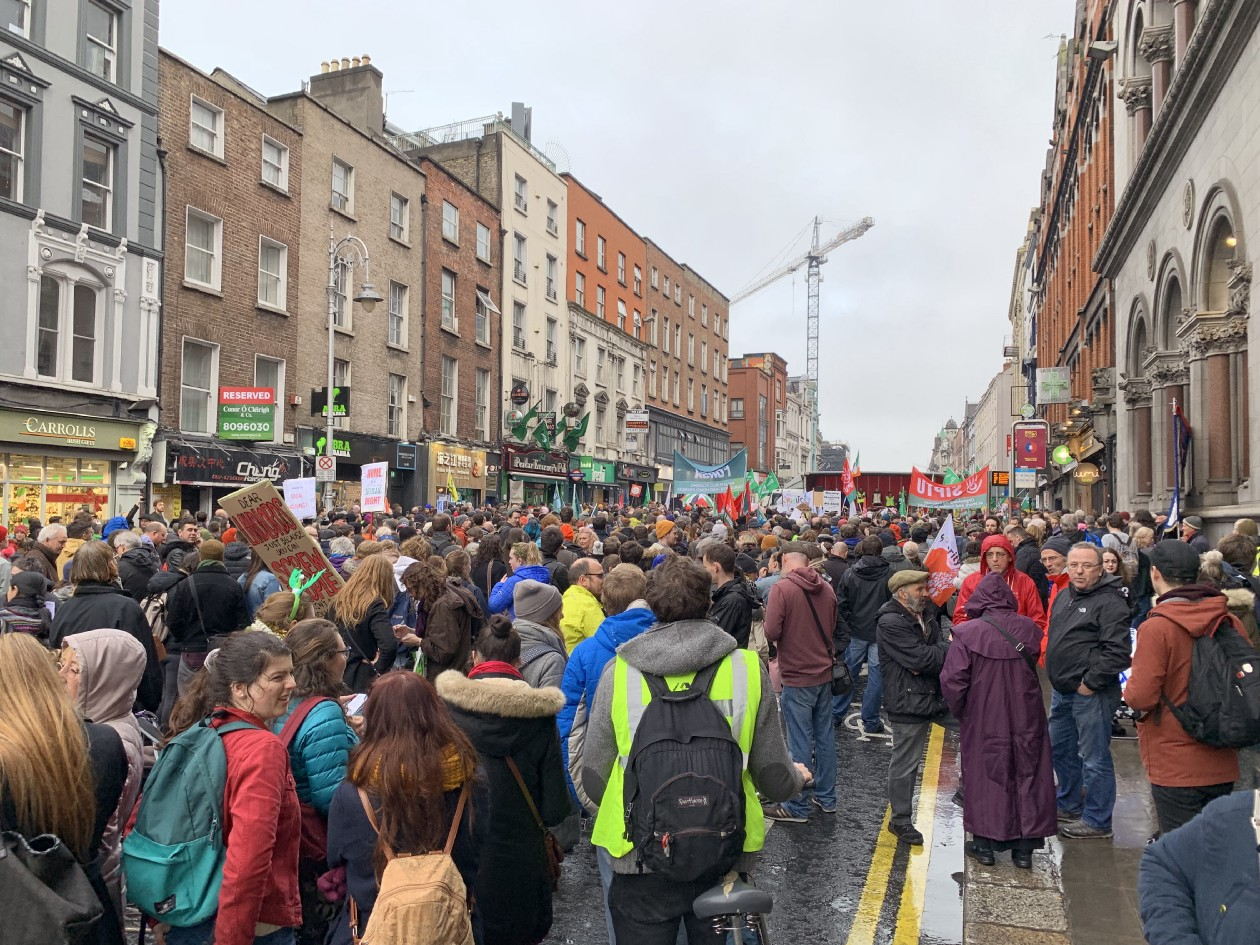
x=494 y=668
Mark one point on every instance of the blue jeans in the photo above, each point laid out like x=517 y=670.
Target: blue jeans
x=859 y=652
x=204 y=933
x=811 y=741
x=1080 y=744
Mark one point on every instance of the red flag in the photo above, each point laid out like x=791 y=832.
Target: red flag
x=847 y=486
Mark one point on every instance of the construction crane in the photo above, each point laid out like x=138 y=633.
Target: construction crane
x=814 y=259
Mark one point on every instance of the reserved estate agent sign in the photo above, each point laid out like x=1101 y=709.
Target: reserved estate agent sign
x=247 y=413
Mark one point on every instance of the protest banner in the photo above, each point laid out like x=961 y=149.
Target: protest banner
x=266 y=524
x=299 y=496
x=375 y=486
x=969 y=493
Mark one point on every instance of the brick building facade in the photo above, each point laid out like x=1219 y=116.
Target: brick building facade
x=758 y=392
x=232 y=292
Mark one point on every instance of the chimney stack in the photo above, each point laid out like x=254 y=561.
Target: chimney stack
x=352 y=87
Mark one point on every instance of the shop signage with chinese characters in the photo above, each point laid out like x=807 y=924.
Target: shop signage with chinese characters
x=210 y=465
x=466 y=467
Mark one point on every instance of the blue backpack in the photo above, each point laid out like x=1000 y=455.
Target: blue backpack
x=173 y=858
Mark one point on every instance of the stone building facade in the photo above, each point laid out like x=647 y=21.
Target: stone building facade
x=80 y=255
x=1179 y=254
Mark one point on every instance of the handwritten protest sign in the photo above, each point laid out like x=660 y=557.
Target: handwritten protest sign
x=267 y=525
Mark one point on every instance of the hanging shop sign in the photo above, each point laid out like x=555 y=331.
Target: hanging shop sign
x=406 y=456
x=1030 y=442
x=341 y=402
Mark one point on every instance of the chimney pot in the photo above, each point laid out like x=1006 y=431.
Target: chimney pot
x=345 y=62
x=323 y=67
x=367 y=60
x=356 y=62
x=334 y=65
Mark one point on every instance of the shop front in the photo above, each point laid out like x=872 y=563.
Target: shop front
x=204 y=471
x=56 y=464
x=458 y=466
x=534 y=476
x=598 y=485
x=353 y=451
x=637 y=482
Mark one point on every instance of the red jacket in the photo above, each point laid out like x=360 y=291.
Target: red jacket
x=1161 y=666
x=1026 y=596
x=262 y=826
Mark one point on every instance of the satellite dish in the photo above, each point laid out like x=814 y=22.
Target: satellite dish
x=559 y=156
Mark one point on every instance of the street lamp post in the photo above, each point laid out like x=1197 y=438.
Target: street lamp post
x=348 y=253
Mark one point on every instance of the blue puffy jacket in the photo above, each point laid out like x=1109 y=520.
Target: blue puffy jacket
x=581 y=679
x=319 y=753
x=1200 y=884
x=501 y=595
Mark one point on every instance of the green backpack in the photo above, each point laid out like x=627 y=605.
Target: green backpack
x=173 y=857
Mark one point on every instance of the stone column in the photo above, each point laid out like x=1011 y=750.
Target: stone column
x=1135 y=92
x=1137 y=398
x=1214 y=343
x=1183 y=25
x=1157 y=47
x=1169 y=376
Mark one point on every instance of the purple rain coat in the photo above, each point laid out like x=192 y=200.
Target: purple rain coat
x=1005 y=737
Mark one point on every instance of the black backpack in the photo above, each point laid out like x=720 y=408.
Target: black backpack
x=1222 y=708
x=684 y=791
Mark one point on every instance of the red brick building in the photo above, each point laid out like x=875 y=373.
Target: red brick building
x=231 y=289
x=758 y=392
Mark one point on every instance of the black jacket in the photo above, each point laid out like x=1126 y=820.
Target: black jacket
x=505 y=717
x=136 y=568
x=1088 y=640
x=97 y=606
x=173 y=551
x=236 y=558
x=732 y=609
x=862 y=592
x=834 y=569
x=1028 y=560
x=441 y=543
x=373 y=636
x=209 y=603
x=910 y=659
x=559 y=572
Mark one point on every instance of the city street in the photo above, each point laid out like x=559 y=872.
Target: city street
x=840 y=878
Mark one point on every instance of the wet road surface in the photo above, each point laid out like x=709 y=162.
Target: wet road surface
x=841 y=879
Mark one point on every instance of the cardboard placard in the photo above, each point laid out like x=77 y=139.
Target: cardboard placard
x=299 y=494
x=375 y=481
x=270 y=529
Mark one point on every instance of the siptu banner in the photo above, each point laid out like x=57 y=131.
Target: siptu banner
x=710 y=480
x=969 y=493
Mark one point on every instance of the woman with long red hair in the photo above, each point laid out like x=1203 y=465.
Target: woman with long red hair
x=413 y=764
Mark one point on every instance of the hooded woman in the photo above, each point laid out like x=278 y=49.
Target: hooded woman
x=998 y=556
x=992 y=688
x=509 y=721
x=101 y=670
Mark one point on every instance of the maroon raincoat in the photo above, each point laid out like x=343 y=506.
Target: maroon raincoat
x=1005 y=738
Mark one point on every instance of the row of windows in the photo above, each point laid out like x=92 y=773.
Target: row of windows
x=718 y=326
x=99 y=28
x=717 y=401
x=520 y=202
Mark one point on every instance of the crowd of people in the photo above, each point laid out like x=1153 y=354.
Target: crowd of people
x=488 y=685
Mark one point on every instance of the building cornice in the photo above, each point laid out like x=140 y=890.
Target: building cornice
x=1224 y=30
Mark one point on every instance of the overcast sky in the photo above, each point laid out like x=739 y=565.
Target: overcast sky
x=721 y=129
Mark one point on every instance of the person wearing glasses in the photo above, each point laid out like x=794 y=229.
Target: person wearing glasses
x=319 y=751
x=583 y=612
x=1088 y=648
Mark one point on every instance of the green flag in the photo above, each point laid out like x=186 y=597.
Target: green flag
x=771 y=484
x=901 y=504
x=575 y=434
x=521 y=430
x=543 y=436
x=951 y=477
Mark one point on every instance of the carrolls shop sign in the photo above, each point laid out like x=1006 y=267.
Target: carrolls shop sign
x=37 y=430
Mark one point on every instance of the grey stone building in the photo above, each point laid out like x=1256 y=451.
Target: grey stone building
x=80 y=254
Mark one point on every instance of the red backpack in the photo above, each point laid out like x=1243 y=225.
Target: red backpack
x=314 y=842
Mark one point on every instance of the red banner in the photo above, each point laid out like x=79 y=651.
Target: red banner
x=971 y=493
x=846 y=479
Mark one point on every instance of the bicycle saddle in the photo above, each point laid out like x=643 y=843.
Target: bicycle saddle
x=742 y=899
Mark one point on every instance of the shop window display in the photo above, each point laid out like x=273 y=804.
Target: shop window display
x=41 y=487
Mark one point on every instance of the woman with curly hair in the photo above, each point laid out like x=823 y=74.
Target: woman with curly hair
x=447 y=617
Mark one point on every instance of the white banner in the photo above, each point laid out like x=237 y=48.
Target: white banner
x=789 y=499
x=833 y=500
x=299 y=496
x=375 y=486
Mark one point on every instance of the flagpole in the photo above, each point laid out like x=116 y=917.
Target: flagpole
x=1176 y=499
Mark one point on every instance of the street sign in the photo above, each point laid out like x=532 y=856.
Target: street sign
x=325 y=468
x=1000 y=478
x=576 y=475
x=1025 y=479
x=1028 y=411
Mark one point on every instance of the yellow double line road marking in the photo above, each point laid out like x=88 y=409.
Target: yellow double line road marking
x=910 y=912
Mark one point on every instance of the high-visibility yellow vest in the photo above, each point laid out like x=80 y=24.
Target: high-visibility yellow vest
x=737 y=691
